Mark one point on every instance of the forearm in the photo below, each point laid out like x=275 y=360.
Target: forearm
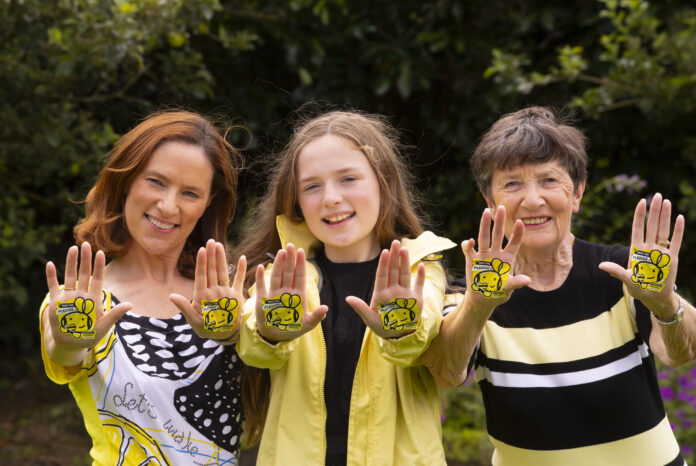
x=448 y=356
x=674 y=344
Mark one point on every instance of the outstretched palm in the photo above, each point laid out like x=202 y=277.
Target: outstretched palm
x=75 y=312
x=281 y=312
x=395 y=307
x=652 y=266
x=490 y=279
x=216 y=309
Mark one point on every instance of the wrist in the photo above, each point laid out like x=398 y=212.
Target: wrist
x=265 y=337
x=225 y=341
x=482 y=308
x=66 y=355
x=668 y=313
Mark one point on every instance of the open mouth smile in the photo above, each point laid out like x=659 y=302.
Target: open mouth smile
x=535 y=220
x=337 y=218
x=159 y=224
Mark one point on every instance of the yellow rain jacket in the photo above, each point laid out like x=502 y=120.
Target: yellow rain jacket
x=395 y=405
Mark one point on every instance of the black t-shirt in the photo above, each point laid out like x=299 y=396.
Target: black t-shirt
x=344 y=331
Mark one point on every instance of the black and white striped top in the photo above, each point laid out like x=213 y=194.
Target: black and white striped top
x=567 y=376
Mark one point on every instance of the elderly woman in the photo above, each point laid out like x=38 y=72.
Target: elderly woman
x=157 y=379
x=565 y=362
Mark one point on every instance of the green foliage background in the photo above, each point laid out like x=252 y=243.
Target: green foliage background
x=76 y=74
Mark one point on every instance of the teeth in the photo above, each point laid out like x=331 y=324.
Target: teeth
x=337 y=218
x=162 y=225
x=534 y=221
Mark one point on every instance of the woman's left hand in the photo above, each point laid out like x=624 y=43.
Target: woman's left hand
x=651 y=274
x=396 y=302
x=216 y=309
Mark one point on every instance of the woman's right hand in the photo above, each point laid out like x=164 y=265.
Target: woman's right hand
x=75 y=317
x=281 y=309
x=493 y=282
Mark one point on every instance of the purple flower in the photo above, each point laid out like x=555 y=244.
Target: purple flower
x=667 y=393
x=687 y=424
x=663 y=375
x=686 y=382
x=673 y=426
x=687 y=450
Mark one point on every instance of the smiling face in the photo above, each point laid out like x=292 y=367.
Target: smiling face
x=75 y=322
x=646 y=272
x=218 y=318
x=488 y=281
x=542 y=196
x=167 y=198
x=339 y=196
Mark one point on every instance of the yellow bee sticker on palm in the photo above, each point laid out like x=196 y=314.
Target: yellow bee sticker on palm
x=489 y=277
x=399 y=314
x=283 y=312
x=219 y=314
x=76 y=317
x=649 y=268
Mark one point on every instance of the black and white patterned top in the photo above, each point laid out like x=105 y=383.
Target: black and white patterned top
x=171 y=395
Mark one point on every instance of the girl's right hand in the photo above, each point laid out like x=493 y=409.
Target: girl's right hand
x=281 y=309
x=494 y=281
x=75 y=314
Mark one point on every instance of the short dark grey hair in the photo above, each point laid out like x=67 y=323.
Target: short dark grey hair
x=530 y=135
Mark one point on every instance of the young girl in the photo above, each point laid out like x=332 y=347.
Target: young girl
x=154 y=387
x=348 y=391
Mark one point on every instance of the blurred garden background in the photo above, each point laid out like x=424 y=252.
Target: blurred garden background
x=76 y=74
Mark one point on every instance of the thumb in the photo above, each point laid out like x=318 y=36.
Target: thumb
x=108 y=319
x=361 y=307
x=615 y=270
x=314 y=318
x=517 y=281
x=184 y=306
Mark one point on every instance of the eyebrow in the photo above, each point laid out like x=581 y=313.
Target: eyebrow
x=165 y=178
x=338 y=172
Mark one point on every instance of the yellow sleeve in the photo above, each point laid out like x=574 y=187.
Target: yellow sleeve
x=57 y=373
x=257 y=351
x=405 y=351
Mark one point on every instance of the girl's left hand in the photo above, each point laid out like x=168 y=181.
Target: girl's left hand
x=216 y=309
x=395 y=307
x=661 y=258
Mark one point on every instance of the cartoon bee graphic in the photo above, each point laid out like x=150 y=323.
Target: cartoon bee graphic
x=399 y=314
x=284 y=312
x=490 y=277
x=77 y=318
x=219 y=314
x=650 y=268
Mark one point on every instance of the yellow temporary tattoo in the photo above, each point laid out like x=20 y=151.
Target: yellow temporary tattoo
x=283 y=312
x=76 y=317
x=399 y=314
x=649 y=268
x=489 y=277
x=219 y=315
